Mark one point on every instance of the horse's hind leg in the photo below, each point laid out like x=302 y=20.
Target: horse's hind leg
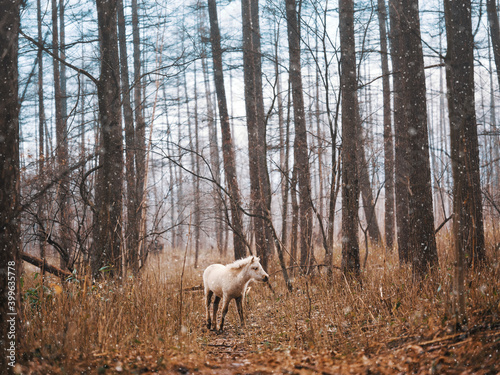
x=225 y=306
x=208 y=296
x=216 y=308
x=239 y=305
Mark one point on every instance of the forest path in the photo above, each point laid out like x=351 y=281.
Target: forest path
x=473 y=352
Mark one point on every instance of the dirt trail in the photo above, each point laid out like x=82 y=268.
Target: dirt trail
x=475 y=352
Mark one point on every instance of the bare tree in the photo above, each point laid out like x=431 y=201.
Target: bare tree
x=468 y=228
x=41 y=123
x=388 y=136
x=61 y=135
x=422 y=241
x=10 y=231
x=140 y=135
x=108 y=225
x=301 y=150
x=252 y=100
x=350 y=135
x=132 y=231
x=227 y=141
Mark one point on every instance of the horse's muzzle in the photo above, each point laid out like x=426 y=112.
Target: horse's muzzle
x=266 y=279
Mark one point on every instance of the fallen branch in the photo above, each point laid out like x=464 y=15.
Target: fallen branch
x=42 y=264
x=193 y=288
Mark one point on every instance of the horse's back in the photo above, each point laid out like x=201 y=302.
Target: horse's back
x=212 y=278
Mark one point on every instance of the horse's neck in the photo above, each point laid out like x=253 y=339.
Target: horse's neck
x=243 y=277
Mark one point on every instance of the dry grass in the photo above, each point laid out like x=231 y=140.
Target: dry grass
x=125 y=324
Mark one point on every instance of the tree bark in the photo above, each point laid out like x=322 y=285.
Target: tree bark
x=140 y=135
x=468 y=229
x=254 y=138
x=197 y=208
x=132 y=236
x=350 y=128
x=108 y=226
x=41 y=123
x=401 y=154
x=214 y=154
x=261 y=123
x=301 y=150
x=422 y=241
x=367 y=194
x=10 y=230
x=227 y=141
x=61 y=136
x=43 y=265
x=388 y=136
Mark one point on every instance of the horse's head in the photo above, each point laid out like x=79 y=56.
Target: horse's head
x=256 y=271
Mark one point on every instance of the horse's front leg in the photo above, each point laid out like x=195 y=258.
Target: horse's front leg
x=225 y=307
x=239 y=305
x=208 y=296
x=216 y=308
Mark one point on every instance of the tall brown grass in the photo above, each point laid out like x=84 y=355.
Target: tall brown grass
x=144 y=314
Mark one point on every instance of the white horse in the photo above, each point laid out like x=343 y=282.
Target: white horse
x=228 y=282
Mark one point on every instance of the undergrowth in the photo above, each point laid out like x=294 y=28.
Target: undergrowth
x=77 y=321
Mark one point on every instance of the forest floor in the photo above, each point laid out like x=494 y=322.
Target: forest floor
x=476 y=351
x=156 y=324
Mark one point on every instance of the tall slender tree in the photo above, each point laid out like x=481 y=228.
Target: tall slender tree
x=109 y=186
x=350 y=129
x=41 y=123
x=61 y=136
x=227 y=141
x=132 y=232
x=252 y=99
x=388 y=136
x=301 y=149
x=422 y=240
x=140 y=130
x=401 y=153
x=10 y=225
x=468 y=230
x=261 y=121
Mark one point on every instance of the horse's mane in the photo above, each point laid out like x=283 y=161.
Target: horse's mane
x=240 y=263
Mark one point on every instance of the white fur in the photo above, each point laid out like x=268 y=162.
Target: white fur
x=228 y=282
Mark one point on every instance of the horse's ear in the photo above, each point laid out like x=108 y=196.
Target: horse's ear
x=253 y=259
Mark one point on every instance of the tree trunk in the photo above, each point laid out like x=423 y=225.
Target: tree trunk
x=388 y=140
x=140 y=136
x=422 y=241
x=367 y=195
x=301 y=150
x=261 y=123
x=132 y=231
x=214 y=155
x=294 y=235
x=227 y=141
x=10 y=230
x=401 y=154
x=254 y=139
x=61 y=138
x=41 y=123
x=197 y=205
x=350 y=129
x=108 y=226
x=468 y=230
